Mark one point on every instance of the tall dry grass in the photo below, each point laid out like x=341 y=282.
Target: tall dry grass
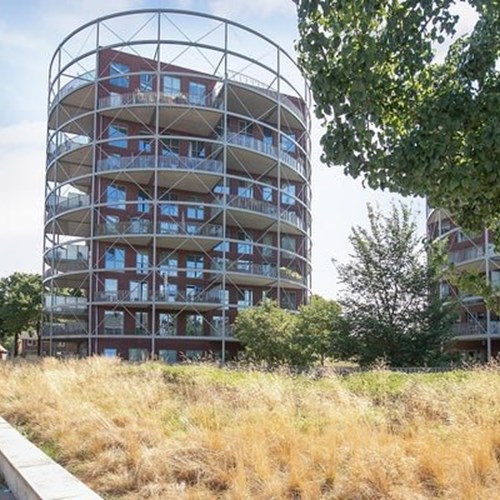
x=150 y=431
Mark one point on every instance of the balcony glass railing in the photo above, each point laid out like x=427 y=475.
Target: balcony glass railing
x=58 y=204
x=477 y=328
x=169 y=162
x=75 y=83
x=471 y=253
x=64 y=302
x=138 y=295
x=68 y=145
x=267 y=270
x=268 y=149
x=77 y=254
x=71 y=328
x=202 y=297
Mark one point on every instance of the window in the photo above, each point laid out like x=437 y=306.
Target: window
x=495 y=278
x=246 y=128
x=167 y=355
x=142 y=202
x=168 y=265
x=111 y=224
x=221 y=189
x=171 y=86
x=142 y=261
x=222 y=247
x=138 y=290
x=111 y=290
x=444 y=290
x=288 y=243
x=245 y=190
x=194 y=324
x=168 y=227
x=109 y=353
x=136 y=354
x=118 y=136
x=146 y=143
x=289 y=300
x=197 y=149
x=113 y=322
x=192 y=293
x=171 y=209
x=170 y=147
x=288 y=143
x=268 y=242
x=114 y=258
x=247 y=247
x=244 y=266
x=267 y=193
x=288 y=194
x=268 y=137
x=146 y=82
x=168 y=292
x=197 y=93
x=217 y=326
x=141 y=323
x=194 y=265
x=116 y=197
x=119 y=73
x=196 y=212
x=245 y=298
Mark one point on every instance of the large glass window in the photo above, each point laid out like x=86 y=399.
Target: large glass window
x=111 y=289
x=194 y=265
x=288 y=143
x=268 y=242
x=138 y=290
x=114 y=258
x=118 y=136
x=168 y=324
x=142 y=261
x=245 y=298
x=116 y=197
x=217 y=326
x=288 y=194
x=170 y=147
x=247 y=246
x=138 y=354
x=288 y=243
x=142 y=202
x=141 y=323
x=246 y=128
x=171 y=86
x=168 y=265
x=168 y=227
x=268 y=137
x=197 y=149
x=113 y=322
x=146 y=82
x=146 y=143
x=167 y=355
x=267 y=193
x=171 y=209
x=194 y=324
x=222 y=247
x=245 y=190
x=196 y=212
x=289 y=300
x=197 y=93
x=119 y=72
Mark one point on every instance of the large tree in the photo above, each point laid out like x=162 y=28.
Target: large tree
x=20 y=305
x=397 y=117
x=391 y=305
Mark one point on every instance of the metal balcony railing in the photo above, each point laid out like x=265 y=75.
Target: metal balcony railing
x=69 y=253
x=137 y=295
x=267 y=270
x=75 y=83
x=58 y=204
x=68 y=145
x=477 y=328
x=202 y=297
x=71 y=328
x=63 y=303
x=167 y=162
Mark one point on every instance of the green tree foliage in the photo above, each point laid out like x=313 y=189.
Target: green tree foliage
x=317 y=330
x=267 y=332
x=276 y=335
x=20 y=304
x=396 y=117
x=391 y=305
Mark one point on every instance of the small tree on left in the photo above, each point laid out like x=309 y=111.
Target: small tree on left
x=20 y=305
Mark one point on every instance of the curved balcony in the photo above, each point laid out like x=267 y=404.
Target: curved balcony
x=171 y=170
x=202 y=301
x=476 y=328
x=73 y=328
x=62 y=305
x=251 y=156
x=59 y=204
x=245 y=272
x=72 y=86
x=257 y=214
x=68 y=258
x=473 y=258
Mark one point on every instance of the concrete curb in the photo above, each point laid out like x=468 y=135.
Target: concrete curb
x=32 y=475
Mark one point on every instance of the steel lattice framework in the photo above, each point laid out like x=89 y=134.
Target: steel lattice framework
x=177 y=184
x=478 y=328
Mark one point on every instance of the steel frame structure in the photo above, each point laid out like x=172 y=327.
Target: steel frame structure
x=478 y=328
x=141 y=175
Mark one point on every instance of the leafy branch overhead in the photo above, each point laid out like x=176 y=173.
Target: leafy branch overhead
x=396 y=117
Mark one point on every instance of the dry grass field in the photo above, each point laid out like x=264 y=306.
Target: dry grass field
x=199 y=432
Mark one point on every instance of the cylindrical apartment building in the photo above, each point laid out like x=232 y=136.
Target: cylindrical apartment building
x=477 y=331
x=177 y=185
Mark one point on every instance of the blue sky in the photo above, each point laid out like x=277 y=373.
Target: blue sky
x=30 y=31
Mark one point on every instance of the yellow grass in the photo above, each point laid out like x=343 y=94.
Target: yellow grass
x=151 y=431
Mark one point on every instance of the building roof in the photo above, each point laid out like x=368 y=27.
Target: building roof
x=2 y=348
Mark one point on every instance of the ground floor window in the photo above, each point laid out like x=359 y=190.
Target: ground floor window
x=167 y=355
x=138 y=354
